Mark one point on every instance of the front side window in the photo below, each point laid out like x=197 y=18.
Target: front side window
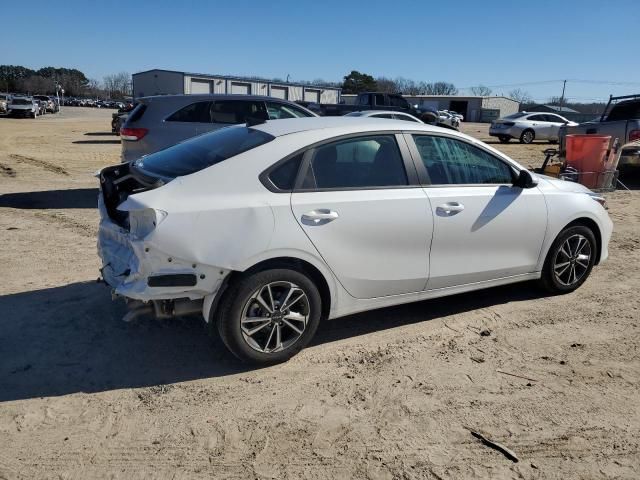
x=372 y=161
x=398 y=101
x=379 y=99
x=196 y=112
x=453 y=162
x=278 y=111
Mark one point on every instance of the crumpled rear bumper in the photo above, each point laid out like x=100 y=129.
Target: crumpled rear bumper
x=128 y=263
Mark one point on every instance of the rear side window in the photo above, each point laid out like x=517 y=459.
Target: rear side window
x=236 y=111
x=625 y=111
x=373 y=161
x=201 y=152
x=537 y=118
x=284 y=176
x=196 y=112
x=137 y=112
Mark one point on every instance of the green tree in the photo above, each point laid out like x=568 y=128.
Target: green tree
x=357 y=82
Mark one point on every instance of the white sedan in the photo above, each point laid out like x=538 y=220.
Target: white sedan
x=267 y=229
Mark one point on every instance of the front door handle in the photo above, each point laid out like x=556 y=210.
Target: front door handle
x=449 y=209
x=320 y=216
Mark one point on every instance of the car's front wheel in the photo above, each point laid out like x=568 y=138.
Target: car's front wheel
x=569 y=260
x=269 y=316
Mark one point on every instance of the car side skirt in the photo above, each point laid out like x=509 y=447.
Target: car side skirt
x=356 y=306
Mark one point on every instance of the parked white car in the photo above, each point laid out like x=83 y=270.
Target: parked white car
x=266 y=229
x=529 y=126
x=447 y=119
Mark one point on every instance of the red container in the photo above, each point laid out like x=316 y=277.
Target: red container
x=588 y=155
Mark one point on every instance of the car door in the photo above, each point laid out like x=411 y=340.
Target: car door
x=541 y=126
x=555 y=122
x=359 y=202
x=484 y=227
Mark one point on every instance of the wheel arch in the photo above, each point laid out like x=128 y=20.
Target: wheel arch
x=593 y=226
x=319 y=278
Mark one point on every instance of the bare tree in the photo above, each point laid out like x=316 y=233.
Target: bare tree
x=480 y=91
x=117 y=85
x=520 y=95
x=386 y=85
x=441 y=88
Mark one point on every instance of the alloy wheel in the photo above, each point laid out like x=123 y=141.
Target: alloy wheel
x=572 y=260
x=527 y=137
x=275 y=317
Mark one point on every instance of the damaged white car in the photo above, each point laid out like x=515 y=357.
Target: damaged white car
x=268 y=228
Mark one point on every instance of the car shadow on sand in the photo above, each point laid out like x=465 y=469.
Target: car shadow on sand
x=70 y=339
x=100 y=134
x=71 y=198
x=96 y=142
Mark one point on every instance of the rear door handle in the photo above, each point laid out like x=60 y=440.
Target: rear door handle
x=449 y=208
x=320 y=216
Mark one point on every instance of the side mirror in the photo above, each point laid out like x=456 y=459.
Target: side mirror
x=525 y=180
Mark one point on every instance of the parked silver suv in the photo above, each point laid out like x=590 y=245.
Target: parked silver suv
x=162 y=121
x=528 y=126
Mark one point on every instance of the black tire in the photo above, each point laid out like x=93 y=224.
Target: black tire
x=504 y=139
x=527 y=136
x=557 y=257
x=238 y=297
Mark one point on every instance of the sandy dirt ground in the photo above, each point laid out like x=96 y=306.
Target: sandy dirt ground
x=390 y=394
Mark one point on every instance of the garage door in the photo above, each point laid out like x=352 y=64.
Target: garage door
x=279 y=92
x=312 y=95
x=240 y=88
x=200 y=86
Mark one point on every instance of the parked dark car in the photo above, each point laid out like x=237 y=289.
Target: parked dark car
x=162 y=121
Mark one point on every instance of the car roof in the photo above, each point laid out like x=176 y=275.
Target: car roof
x=342 y=125
x=212 y=96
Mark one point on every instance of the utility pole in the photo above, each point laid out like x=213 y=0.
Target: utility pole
x=564 y=84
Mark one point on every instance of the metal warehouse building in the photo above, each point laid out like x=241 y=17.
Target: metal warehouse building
x=474 y=108
x=167 y=82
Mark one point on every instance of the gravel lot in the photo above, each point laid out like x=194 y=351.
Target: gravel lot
x=384 y=395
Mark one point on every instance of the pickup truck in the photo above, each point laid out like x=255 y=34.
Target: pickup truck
x=621 y=120
x=376 y=101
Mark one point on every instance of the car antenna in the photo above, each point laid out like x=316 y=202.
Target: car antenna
x=251 y=121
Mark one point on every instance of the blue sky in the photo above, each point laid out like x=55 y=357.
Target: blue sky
x=501 y=44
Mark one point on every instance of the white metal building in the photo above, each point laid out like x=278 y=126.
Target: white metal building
x=474 y=108
x=168 y=82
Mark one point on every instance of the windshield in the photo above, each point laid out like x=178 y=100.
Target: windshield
x=201 y=152
x=515 y=115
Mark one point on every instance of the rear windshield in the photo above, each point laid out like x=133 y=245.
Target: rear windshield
x=201 y=152
x=625 y=111
x=514 y=116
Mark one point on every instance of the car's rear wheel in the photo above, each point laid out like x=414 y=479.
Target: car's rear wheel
x=569 y=260
x=269 y=316
x=527 y=136
x=504 y=139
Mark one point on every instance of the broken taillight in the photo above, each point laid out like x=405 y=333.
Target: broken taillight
x=133 y=134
